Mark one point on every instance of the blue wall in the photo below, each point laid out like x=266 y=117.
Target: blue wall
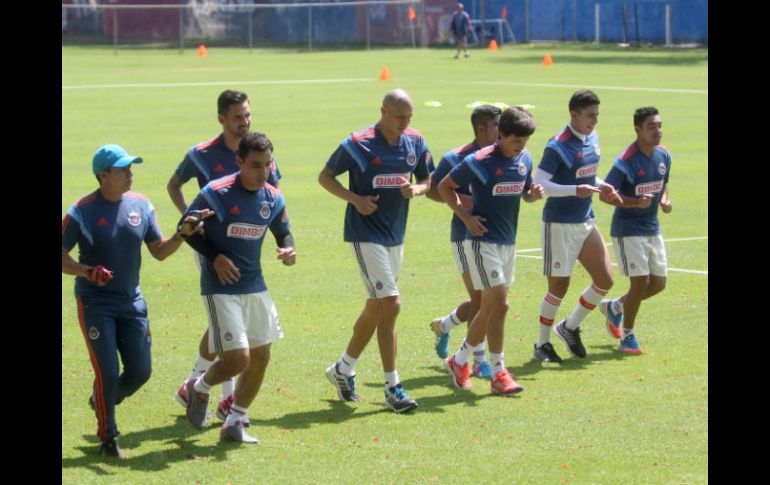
x=555 y=19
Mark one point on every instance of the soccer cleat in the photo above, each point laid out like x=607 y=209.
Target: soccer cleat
x=613 y=320
x=223 y=408
x=345 y=385
x=197 y=404
x=397 y=399
x=572 y=339
x=460 y=373
x=181 y=394
x=442 y=338
x=546 y=353
x=482 y=369
x=112 y=448
x=503 y=384
x=236 y=433
x=630 y=345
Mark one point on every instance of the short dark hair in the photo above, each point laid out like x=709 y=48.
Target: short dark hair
x=641 y=114
x=517 y=121
x=255 y=141
x=583 y=98
x=483 y=114
x=228 y=98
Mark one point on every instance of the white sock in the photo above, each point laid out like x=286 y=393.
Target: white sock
x=202 y=386
x=391 y=379
x=548 y=309
x=236 y=414
x=498 y=362
x=464 y=354
x=617 y=305
x=450 y=321
x=228 y=388
x=346 y=364
x=200 y=367
x=591 y=296
x=480 y=352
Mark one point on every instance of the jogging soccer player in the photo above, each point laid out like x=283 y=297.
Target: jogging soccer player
x=205 y=162
x=484 y=120
x=499 y=176
x=380 y=161
x=640 y=174
x=569 y=233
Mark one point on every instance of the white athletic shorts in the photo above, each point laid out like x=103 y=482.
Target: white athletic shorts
x=379 y=266
x=241 y=321
x=461 y=261
x=561 y=243
x=490 y=264
x=641 y=255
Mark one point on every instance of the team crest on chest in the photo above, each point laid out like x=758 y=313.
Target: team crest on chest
x=662 y=168
x=134 y=218
x=411 y=159
x=596 y=149
x=264 y=211
x=522 y=169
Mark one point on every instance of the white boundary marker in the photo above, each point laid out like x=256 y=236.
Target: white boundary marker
x=675 y=270
x=360 y=80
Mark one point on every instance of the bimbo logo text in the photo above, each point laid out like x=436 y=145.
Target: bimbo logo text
x=649 y=188
x=390 y=180
x=508 y=188
x=245 y=231
x=587 y=171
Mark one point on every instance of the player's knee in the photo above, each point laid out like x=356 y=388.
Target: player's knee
x=656 y=285
x=233 y=363
x=390 y=306
x=259 y=358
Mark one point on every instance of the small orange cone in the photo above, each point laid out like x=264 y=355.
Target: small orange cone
x=547 y=60
x=493 y=45
x=202 y=51
x=385 y=74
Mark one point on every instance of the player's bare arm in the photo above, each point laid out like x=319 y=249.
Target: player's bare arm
x=665 y=203
x=365 y=204
x=474 y=223
x=191 y=224
x=174 y=188
x=286 y=252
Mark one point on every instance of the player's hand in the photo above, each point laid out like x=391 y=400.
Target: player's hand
x=407 y=189
x=644 y=201
x=99 y=275
x=365 y=204
x=193 y=223
x=227 y=272
x=666 y=205
x=287 y=255
x=474 y=225
x=584 y=190
x=610 y=194
x=537 y=191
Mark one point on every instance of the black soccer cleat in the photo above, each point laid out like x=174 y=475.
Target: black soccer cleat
x=572 y=339
x=112 y=448
x=546 y=353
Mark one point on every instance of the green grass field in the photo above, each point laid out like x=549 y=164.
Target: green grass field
x=606 y=419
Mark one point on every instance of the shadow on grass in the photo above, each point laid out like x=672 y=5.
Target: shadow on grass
x=179 y=437
x=570 y=363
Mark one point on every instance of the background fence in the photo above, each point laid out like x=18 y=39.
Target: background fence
x=408 y=23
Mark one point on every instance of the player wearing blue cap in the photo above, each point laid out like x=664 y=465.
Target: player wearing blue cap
x=109 y=226
x=499 y=176
x=380 y=161
x=569 y=233
x=640 y=174
x=205 y=162
x=243 y=321
x=484 y=120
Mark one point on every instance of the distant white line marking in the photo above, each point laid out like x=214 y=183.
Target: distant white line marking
x=573 y=86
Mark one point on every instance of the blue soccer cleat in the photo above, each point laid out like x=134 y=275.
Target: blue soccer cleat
x=482 y=369
x=442 y=339
x=630 y=345
x=613 y=320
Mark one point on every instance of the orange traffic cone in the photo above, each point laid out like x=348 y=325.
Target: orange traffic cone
x=385 y=74
x=493 y=45
x=547 y=60
x=202 y=51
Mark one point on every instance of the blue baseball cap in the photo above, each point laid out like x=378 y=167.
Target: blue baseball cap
x=112 y=156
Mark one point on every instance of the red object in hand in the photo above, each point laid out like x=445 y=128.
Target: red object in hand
x=99 y=274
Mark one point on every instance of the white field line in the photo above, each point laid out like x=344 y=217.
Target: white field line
x=579 y=86
x=217 y=83
x=676 y=270
x=358 y=80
